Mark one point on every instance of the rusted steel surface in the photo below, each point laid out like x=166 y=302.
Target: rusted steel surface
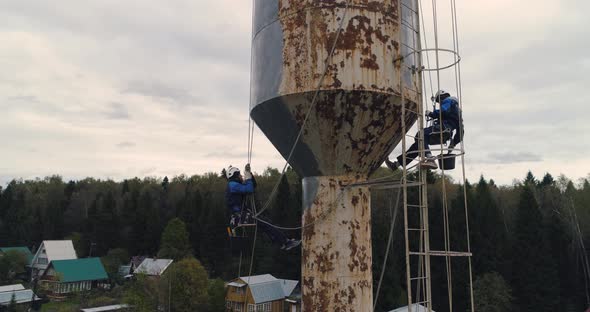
x=336 y=257
x=357 y=118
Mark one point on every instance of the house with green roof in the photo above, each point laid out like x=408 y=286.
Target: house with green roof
x=24 y=250
x=73 y=275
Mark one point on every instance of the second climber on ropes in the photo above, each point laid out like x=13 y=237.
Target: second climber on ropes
x=241 y=213
x=446 y=121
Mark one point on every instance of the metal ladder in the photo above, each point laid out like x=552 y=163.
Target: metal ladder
x=416 y=230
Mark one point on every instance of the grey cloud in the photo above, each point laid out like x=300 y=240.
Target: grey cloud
x=117 y=111
x=147 y=171
x=159 y=90
x=23 y=98
x=125 y=144
x=512 y=157
x=226 y=155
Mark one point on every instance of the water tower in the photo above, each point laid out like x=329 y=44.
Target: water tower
x=354 y=124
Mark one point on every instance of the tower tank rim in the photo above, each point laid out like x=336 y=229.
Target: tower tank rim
x=323 y=5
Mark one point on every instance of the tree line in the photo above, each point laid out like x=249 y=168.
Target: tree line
x=527 y=238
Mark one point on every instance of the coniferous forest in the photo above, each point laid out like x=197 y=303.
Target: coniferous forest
x=527 y=238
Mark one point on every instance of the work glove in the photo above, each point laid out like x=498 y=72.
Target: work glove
x=247 y=172
x=428 y=113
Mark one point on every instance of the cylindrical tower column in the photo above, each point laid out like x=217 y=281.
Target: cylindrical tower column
x=336 y=257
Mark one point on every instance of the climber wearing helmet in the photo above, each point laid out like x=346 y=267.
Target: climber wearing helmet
x=446 y=120
x=238 y=188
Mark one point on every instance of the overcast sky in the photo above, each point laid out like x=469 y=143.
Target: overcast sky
x=117 y=89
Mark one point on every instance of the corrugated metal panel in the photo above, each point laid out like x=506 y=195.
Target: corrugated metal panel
x=265 y=292
x=11 y=287
x=59 y=250
x=288 y=286
x=257 y=279
x=152 y=266
x=20 y=296
x=265 y=288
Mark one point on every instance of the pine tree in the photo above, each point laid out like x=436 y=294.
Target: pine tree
x=488 y=232
x=533 y=289
x=175 y=242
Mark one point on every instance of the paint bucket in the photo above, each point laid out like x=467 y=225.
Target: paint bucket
x=447 y=162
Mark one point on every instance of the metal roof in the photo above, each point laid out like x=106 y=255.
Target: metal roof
x=152 y=266
x=415 y=308
x=257 y=279
x=234 y=284
x=76 y=270
x=136 y=261
x=24 y=250
x=265 y=288
x=288 y=286
x=124 y=270
x=11 y=287
x=59 y=250
x=114 y=307
x=265 y=292
x=20 y=296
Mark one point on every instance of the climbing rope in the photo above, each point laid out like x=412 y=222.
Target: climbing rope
x=253 y=203
x=308 y=113
x=459 y=85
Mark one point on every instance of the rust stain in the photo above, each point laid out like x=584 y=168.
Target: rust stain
x=370 y=62
x=355 y=200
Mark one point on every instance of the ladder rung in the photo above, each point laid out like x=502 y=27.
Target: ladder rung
x=417 y=206
x=441 y=253
x=384 y=186
x=413 y=229
x=419 y=278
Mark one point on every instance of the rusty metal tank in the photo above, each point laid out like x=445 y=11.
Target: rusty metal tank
x=354 y=125
x=356 y=121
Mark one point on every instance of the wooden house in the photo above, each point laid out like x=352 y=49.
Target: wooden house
x=51 y=250
x=75 y=275
x=262 y=293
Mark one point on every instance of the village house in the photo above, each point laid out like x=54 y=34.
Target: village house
x=51 y=250
x=74 y=275
x=262 y=293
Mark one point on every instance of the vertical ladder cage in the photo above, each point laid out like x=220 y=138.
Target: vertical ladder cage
x=416 y=213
